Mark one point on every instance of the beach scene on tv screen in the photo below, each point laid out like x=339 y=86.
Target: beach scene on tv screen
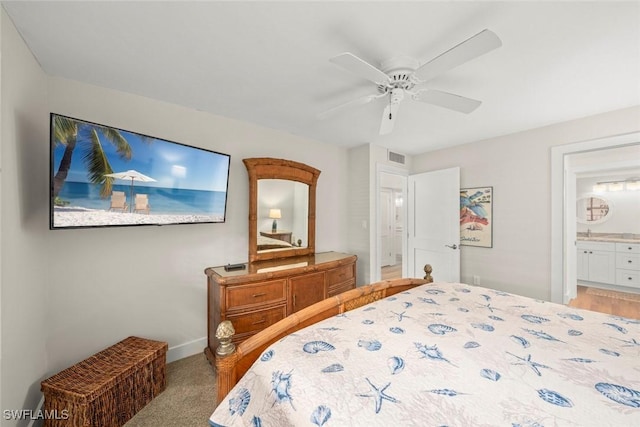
x=103 y=176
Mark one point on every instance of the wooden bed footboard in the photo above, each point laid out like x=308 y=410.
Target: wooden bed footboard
x=231 y=362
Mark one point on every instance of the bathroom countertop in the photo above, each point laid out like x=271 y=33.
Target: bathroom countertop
x=608 y=237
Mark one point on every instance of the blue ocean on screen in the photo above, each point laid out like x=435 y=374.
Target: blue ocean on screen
x=169 y=201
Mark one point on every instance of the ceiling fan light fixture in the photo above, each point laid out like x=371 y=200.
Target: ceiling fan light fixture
x=396 y=96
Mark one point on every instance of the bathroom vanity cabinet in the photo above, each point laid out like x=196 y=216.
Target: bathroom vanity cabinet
x=611 y=263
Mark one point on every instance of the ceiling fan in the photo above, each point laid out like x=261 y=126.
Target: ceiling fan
x=402 y=76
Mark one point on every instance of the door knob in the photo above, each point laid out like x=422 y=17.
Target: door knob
x=452 y=247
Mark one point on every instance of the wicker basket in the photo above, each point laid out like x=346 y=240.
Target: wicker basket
x=108 y=388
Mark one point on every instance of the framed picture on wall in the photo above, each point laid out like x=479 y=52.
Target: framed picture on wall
x=476 y=217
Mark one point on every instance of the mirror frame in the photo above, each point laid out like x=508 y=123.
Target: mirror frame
x=270 y=168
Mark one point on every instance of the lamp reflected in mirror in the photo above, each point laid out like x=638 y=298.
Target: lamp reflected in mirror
x=275 y=214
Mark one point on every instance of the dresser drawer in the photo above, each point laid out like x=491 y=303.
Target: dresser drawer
x=628 y=278
x=252 y=322
x=629 y=248
x=628 y=261
x=340 y=274
x=261 y=293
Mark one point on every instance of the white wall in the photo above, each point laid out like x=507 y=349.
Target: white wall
x=25 y=273
x=69 y=293
x=156 y=286
x=518 y=168
x=359 y=215
x=1 y=19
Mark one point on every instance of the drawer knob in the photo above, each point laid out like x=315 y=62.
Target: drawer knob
x=630 y=278
x=257 y=322
x=630 y=262
x=259 y=295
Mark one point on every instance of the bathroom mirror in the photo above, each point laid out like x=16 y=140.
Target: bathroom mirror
x=282 y=201
x=593 y=209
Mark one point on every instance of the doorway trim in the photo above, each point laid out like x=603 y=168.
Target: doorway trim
x=563 y=200
x=376 y=265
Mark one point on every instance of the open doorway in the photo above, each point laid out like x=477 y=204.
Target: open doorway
x=391 y=228
x=607 y=211
x=389 y=259
x=564 y=276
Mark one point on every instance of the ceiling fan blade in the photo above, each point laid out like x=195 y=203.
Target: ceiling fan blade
x=447 y=100
x=483 y=42
x=353 y=103
x=360 y=67
x=389 y=118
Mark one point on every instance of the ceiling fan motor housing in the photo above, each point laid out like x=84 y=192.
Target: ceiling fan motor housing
x=400 y=71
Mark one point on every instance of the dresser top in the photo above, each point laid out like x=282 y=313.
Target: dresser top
x=281 y=267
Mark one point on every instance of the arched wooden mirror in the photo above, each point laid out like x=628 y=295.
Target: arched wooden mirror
x=282 y=208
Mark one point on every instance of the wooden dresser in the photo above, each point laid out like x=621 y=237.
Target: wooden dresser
x=267 y=291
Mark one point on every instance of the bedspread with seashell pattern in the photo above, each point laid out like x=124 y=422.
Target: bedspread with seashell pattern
x=446 y=354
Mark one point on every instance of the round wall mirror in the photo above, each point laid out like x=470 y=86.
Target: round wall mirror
x=593 y=209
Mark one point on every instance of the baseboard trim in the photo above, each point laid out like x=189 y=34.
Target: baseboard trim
x=187 y=349
x=38 y=409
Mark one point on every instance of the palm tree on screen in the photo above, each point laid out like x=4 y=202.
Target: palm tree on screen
x=73 y=134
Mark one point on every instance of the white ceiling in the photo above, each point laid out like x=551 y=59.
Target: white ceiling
x=268 y=62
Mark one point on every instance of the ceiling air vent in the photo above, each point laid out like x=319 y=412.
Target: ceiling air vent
x=396 y=157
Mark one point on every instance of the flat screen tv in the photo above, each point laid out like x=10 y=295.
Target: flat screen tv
x=103 y=176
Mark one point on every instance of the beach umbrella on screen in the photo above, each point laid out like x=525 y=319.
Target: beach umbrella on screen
x=131 y=175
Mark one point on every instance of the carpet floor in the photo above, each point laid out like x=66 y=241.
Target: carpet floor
x=188 y=400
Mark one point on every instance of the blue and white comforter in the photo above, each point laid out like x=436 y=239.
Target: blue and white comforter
x=447 y=355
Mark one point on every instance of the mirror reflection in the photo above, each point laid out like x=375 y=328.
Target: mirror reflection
x=592 y=210
x=282 y=214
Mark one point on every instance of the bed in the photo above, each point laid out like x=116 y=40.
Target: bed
x=265 y=243
x=407 y=352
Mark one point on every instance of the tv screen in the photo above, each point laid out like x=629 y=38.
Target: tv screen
x=102 y=176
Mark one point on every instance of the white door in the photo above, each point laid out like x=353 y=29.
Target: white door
x=434 y=224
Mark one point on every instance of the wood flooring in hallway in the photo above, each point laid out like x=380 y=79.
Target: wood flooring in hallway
x=605 y=301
